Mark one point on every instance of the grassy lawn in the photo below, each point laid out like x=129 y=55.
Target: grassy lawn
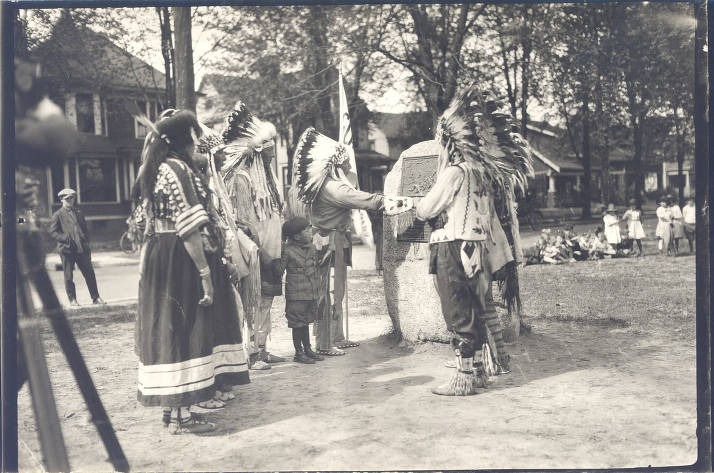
x=653 y=294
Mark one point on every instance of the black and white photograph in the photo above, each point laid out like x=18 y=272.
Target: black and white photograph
x=357 y=237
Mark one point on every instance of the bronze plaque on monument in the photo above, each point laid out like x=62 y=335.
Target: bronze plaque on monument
x=418 y=176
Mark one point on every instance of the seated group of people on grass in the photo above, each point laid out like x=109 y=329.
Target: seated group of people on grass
x=564 y=246
x=608 y=241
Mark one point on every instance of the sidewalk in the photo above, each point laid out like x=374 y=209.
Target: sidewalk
x=100 y=259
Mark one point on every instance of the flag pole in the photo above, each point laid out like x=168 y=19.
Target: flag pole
x=347 y=294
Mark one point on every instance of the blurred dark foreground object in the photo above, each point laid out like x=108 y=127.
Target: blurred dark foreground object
x=42 y=133
x=42 y=136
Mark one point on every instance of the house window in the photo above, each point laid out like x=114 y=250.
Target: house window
x=151 y=109
x=85 y=112
x=676 y=181
x=97 y=180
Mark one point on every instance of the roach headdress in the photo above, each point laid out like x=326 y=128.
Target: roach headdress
x=477 y=129
x=316 y=157
x=210 y=141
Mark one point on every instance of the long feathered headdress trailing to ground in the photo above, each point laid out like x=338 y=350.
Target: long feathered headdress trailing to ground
x=316 y=157
x=477 y=128
x=243 y=134
x=243 y=252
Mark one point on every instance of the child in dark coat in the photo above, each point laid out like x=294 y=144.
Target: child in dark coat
x=302 y=286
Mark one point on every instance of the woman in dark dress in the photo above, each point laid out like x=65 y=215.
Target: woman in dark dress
x=185 y=297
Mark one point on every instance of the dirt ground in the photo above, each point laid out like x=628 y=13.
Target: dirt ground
x=581 y=395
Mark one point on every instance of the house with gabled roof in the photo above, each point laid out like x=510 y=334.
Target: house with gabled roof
x=92 y=78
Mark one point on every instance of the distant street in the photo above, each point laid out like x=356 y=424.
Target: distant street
x=115 y=283
x=120 y=282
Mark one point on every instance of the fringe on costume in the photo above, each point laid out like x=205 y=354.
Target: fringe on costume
x=403 y=221
x=252 y=286
x=463 y=384
x=363 y=226
x=244 y=252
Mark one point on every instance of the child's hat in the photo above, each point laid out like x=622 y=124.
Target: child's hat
x=610 y=208
x=295 y=225
x=633 y=202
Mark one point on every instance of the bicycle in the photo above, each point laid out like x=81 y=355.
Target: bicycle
x=131 y=240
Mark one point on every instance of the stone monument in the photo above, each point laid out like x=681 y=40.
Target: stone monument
x=410 y=291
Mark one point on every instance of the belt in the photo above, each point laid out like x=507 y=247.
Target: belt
x=164 y=226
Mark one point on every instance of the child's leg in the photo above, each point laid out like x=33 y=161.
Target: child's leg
x=660 y=243
x=297 y=339
x=305 y=337
x=639 y=246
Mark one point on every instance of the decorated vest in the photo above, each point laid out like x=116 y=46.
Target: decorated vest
x=468 y=216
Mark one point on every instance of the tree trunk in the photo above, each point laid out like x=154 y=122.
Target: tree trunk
x=185 y=90
x=507 y=75
x=316 y=27
x=680 y=157
x=167 y=51
x=525 y=73
x=605 y=171
x=637 y=160
x=586 y=156
x=636 y=117
x=701 y=152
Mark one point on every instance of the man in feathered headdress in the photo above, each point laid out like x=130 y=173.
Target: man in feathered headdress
x=253 y=191
x=481 y=158
x=319 y=173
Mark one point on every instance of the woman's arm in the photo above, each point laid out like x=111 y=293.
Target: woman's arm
x=194 y=247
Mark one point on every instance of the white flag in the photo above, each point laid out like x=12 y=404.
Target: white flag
x=360 y=219
x=346 y=132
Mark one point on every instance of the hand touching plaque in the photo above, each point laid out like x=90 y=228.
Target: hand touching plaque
x=395 y=205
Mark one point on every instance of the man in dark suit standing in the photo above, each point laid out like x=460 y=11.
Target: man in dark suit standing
x=69 y=228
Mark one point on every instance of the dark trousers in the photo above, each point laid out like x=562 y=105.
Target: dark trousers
x=463 y=300
x=84 y=263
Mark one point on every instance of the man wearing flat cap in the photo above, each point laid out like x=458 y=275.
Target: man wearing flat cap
x=69 y=229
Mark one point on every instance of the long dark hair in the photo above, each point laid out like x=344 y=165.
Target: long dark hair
x=173 y=132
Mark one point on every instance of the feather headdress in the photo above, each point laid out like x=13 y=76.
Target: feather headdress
x=477 y=128
x=245 y=137
x=243 y=134
x=316 y=157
